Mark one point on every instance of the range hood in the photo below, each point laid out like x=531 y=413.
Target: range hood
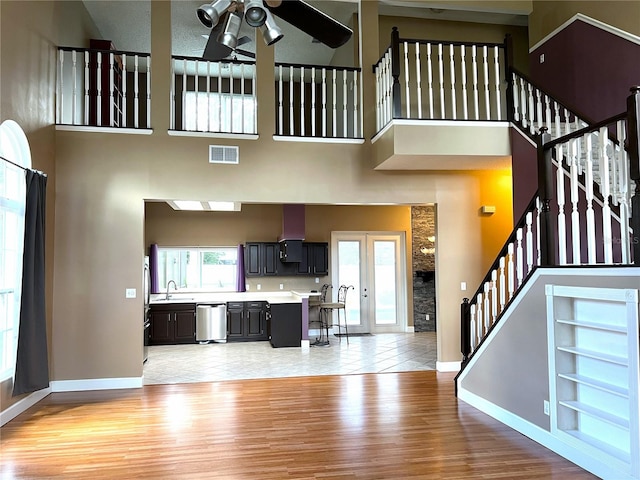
x=293 y=226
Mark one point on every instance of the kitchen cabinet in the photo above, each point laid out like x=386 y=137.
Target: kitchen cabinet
x=247 y=321
x=173 y=323
x=285 y=325
x=263 y=259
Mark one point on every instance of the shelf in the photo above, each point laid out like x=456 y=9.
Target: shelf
x=596 y=355
x=605 y=387
x=600 y=445
x=594 y=325
x=596 y=413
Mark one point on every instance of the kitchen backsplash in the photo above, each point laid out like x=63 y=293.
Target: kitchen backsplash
x=272 y=284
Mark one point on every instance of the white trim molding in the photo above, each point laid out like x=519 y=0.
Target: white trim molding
x=410 y=329
x=593 y=22
x=22 y=405
x=84 y=128
x=448 y=366
x=231 y=136
x=293 y=138
x=96 y=384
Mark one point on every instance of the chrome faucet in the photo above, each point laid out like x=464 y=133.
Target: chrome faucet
x=174 y=286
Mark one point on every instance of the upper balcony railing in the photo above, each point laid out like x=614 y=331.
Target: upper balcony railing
x=103 y=88
x=213 y=97
x=441 y=80
x=318 y=101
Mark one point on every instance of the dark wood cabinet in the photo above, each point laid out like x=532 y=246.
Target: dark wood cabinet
x=263 y=259
x=271 y=258
x=285 y=325
x=247 y=321
x=173 y=323
x=317 y=259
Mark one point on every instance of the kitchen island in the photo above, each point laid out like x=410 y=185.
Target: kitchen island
x=285 y=322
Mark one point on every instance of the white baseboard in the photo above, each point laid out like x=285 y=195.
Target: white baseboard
x=22 y=405
x=96 y=384
x=410 y=329
x=448 y=366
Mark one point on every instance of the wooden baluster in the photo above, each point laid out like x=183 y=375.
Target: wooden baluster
x=418 y=80
x=60 y=89
x=430 y=80
x=560 y=195
x=496 y=64
x=85 y=120
x=388 y=91
x=539 y=109
x=324 y=102
x=575 y=215
x=463 y=80
x=255 y=99
x=474 y=68
x=148 y=90
x=557 y=133
x=502 y=285
x=99 y=90
x=313 y=101
x=474 y=328
x=452 y=74
x=494 y=296
x=624 y=200
x=511 y=277
x=172 y=95
x=230 y=114
x=547 y=113
x=485 y=62
x=486 y=308
x=280 y=102
x=136 y=93
x=74 y=88
x=345 y=117
x=605 y=189
x=292 y=129
x=591 y=225
x=196 y=82
x=385 y=91
x=208 y=123
x=302 y=122
x=356 y=123
x=441 y=72
x=523 y=103
x=480 y=317
x=529 y=242
x=516 y=96
x=124 y=91
x=519 y=258
x=334 y=104
x=532 y=128
x=242 y=99
x=220 y=98
x=378 y=98
x=407 y=91
x=538 y=243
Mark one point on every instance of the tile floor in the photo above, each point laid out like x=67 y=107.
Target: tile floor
x=389 y=352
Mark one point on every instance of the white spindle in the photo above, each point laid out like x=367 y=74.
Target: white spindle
x=519 y=258
x=291 y=116
x=496 y=63
x=124 y=91
x=523 y=103
x=591 y=225
x=406 y=80
x=538 y=244
x=575 y=215
x=344 y=104
x=547 y=112
x=334 y=105
x=148 y=91
x=452 y=75
x=418 y=80
x=485 y=63
x=85 y=120
x=255 y=99
x=486 y=307
x=280 y=103
x=562 y=220
x=511 y=278
x=441 y=73
x=99 y=90
x=529 y=241
x=463 y=80
x=539 y=109
x=196 y=88
x=220 y=97
x=302 y=122
x=494 y=295
x=136 y=93
x=74 y=98
x=502 y=285
x=473 y=328
x=356 y=124
x=606 y=192
x=230 y=113
x=623 y=187
x=378 y=98
x=172 y=96
x=532 y=127
x=183 y=94
x=324 y=102
x=313 y=101
x=479 y=316
x=242 y=102
x=474 y=69
x=430 y=80
x=60 y=91
x=208 y=127
x=556 y=117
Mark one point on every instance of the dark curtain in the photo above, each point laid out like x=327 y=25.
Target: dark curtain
x=32 y=365
x=240 y=280
x=153 y=267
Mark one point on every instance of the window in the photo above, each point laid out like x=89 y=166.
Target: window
x=13 y=146
x=193 y=268
x=220 y=112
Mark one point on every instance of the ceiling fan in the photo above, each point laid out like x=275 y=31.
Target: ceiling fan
x=223 y=39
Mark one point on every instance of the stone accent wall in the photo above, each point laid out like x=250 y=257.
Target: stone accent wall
x=423 y=226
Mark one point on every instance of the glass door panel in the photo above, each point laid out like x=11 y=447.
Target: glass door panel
x=384 y=282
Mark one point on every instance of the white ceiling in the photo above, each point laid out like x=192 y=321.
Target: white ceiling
x=128 y=24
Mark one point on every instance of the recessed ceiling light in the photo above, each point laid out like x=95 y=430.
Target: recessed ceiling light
x=193 y=205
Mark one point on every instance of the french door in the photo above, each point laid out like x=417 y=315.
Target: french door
x=374 y=264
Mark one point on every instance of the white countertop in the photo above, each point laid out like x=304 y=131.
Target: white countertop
x=292 y=296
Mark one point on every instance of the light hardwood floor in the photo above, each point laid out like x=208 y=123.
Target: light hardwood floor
x=367 y=426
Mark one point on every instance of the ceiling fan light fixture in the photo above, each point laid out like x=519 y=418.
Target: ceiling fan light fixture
x=254 y=13
x=229 y=36
x=270 y=30
x=209 y=14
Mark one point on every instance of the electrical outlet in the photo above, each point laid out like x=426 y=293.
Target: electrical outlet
x=463 y=286
x=317 y=280
x=259 y=287
x=546 y=407
x=426 y=317
x=281 y=286
x=542 y=58
x=130 y=293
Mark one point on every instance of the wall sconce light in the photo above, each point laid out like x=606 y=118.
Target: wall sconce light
x=427 y=250
x=488 y=209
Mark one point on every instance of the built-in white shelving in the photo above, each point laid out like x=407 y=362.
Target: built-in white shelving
x=593 y=365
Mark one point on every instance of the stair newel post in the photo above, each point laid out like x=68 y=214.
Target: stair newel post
x=395 y=73
x=633 y=150
x=545 y=191
x=508 y=74
x=465 y=330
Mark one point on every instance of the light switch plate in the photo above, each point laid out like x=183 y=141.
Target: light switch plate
x=463 y=286
x=281 y=286
x=317 y=280
x=258 y=286
x=130 y=293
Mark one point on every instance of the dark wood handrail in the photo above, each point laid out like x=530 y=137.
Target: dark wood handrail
x=589 y=129
x=373 y=67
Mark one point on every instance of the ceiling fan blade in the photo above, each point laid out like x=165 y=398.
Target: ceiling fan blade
x=312 y=21
x=246 y=53
x=214 y=50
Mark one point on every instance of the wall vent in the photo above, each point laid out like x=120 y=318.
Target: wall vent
x=223 y=154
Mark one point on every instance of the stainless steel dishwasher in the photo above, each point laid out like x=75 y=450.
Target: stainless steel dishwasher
x=211 y=322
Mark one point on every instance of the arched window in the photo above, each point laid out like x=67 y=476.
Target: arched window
x=15 y=148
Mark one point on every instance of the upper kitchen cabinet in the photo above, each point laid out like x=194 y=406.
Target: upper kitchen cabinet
x=263 y=259
x=315 y=259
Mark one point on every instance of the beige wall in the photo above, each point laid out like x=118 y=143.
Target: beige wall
x=100 y=183
x=547 y=16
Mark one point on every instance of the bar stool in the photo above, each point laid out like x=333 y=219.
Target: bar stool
x=329 y=307
x=323 y=340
